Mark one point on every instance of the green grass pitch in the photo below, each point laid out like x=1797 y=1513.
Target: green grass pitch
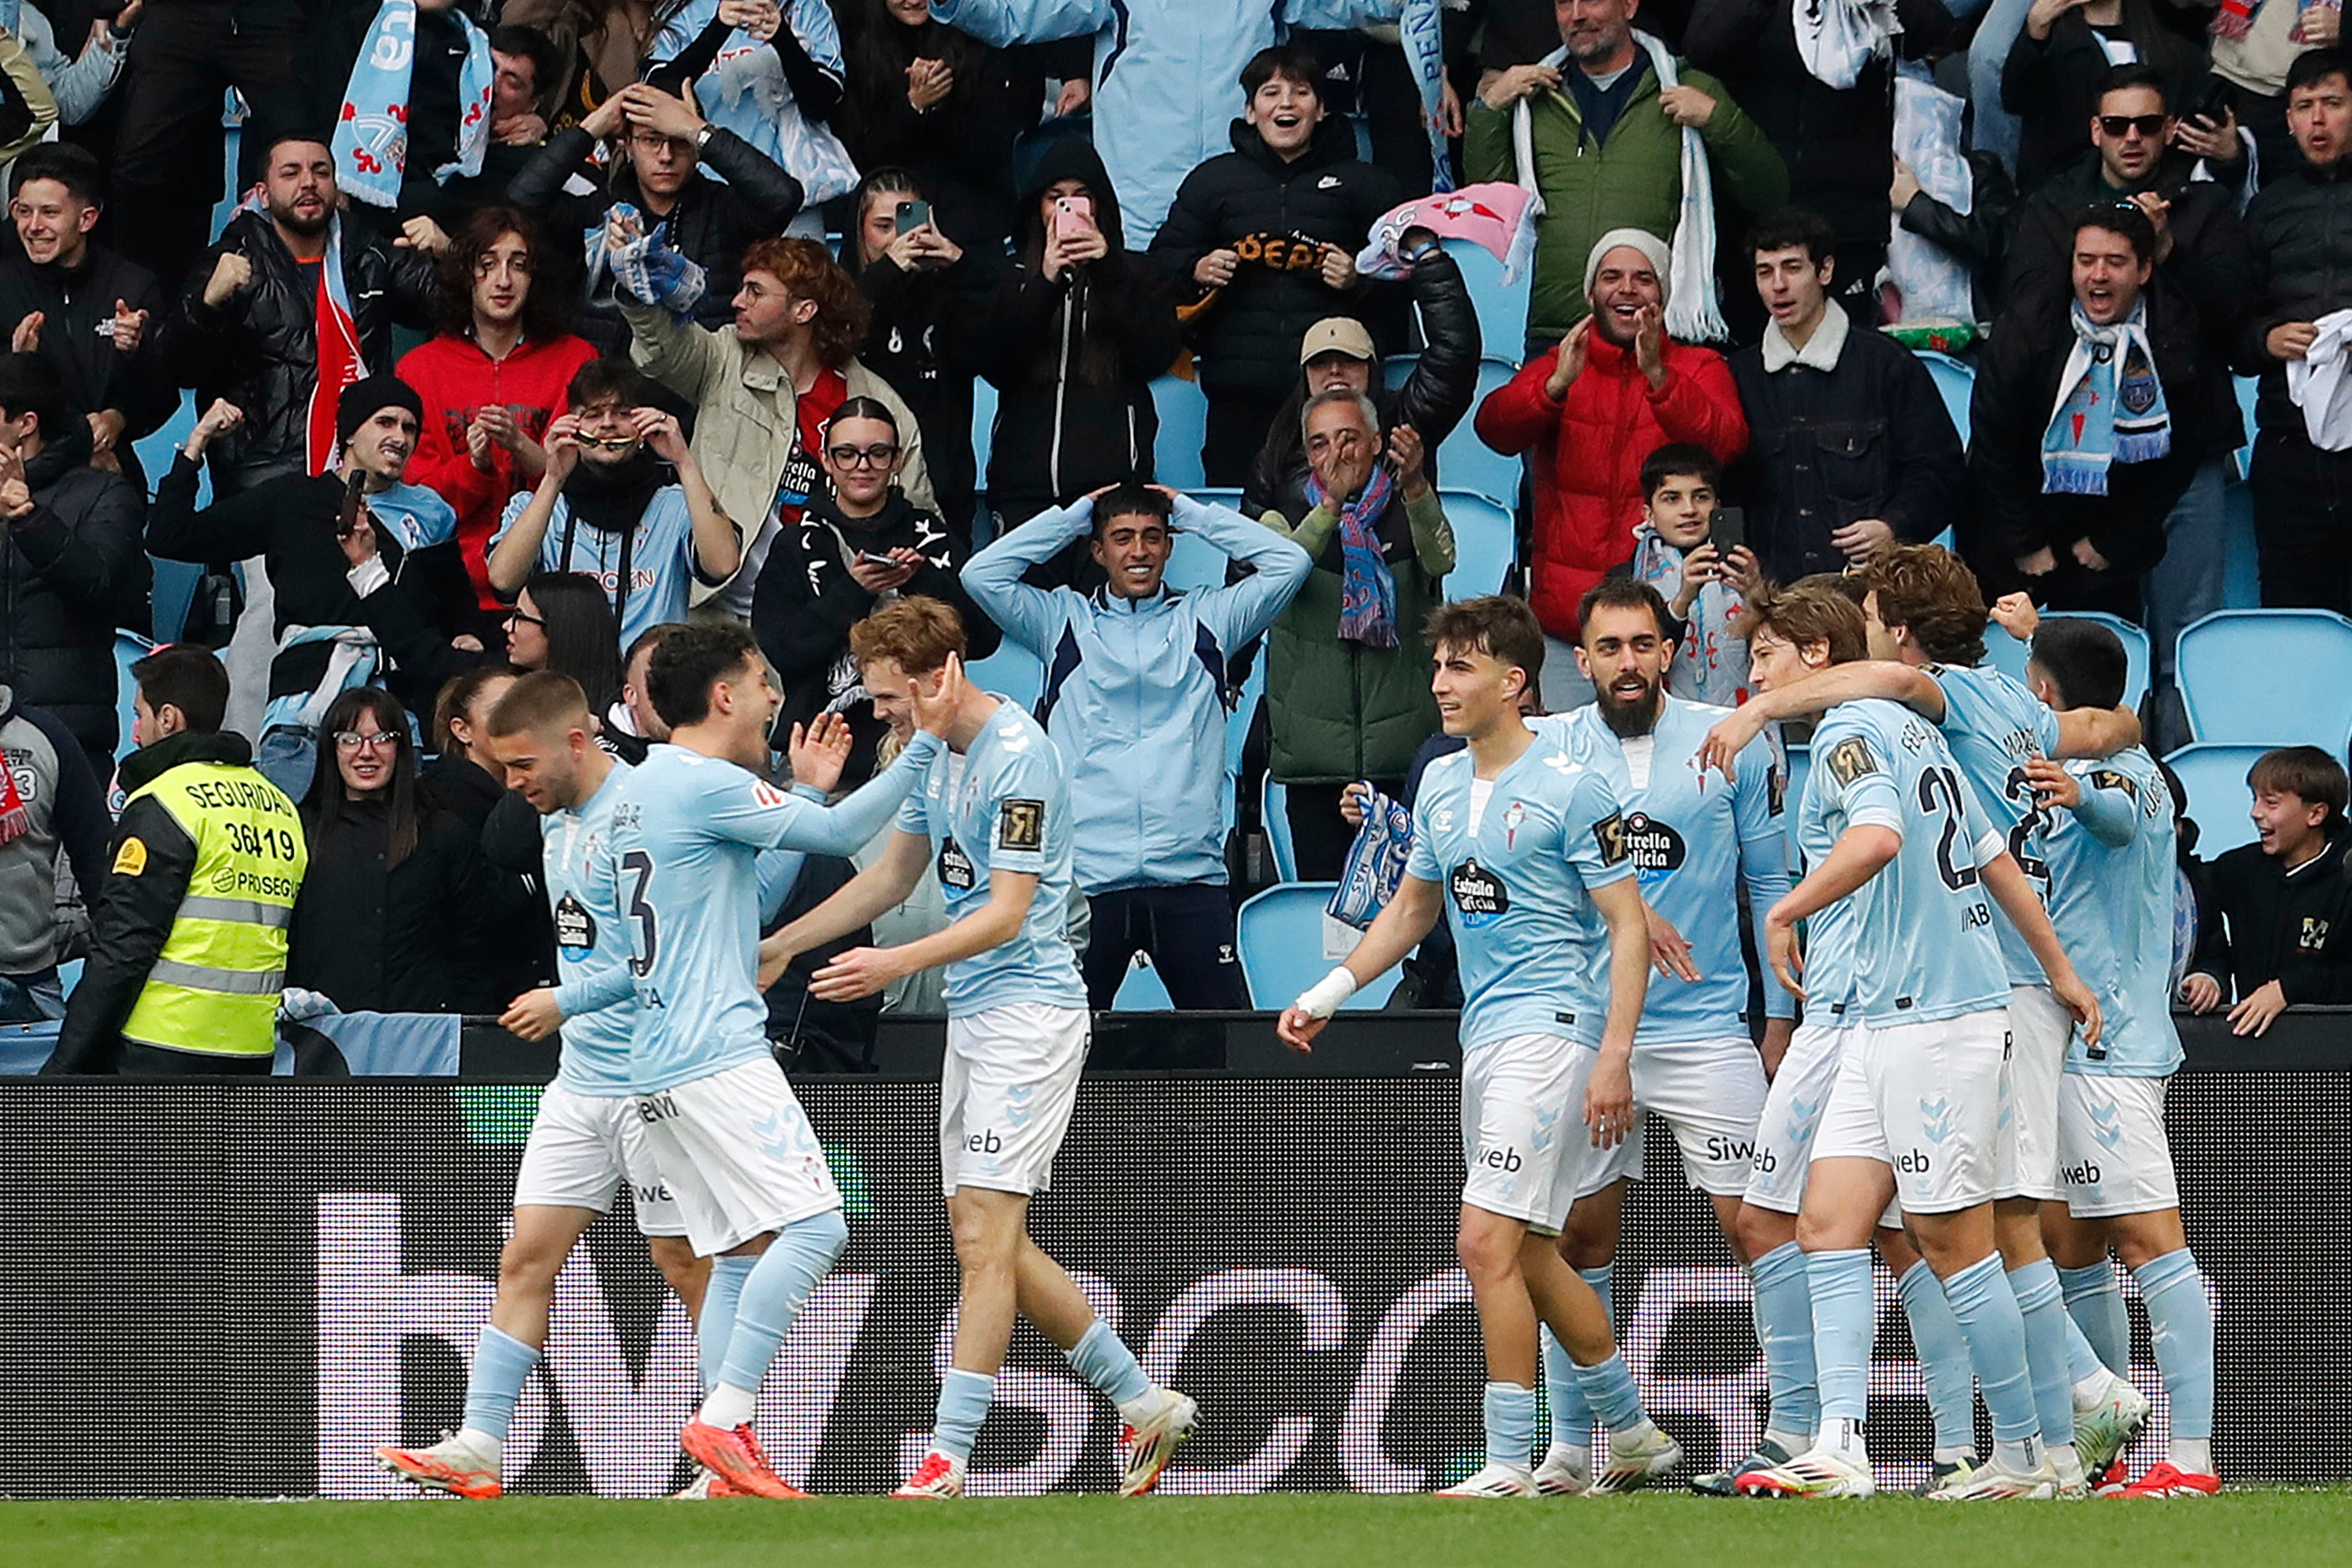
x=2256 y=1528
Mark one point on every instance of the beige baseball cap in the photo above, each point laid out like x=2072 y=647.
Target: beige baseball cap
x=1337 y=335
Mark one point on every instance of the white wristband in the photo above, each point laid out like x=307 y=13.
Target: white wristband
x=1326 y=996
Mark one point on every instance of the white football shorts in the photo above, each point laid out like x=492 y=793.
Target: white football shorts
x=2114 y=1155
x=1522 y=1132
x=1792 y=1110
x=1924 y=1099
x=1006 y=1093
x=1710 y=1092
x=582 y=1148
x=2040 y=1029
x=738 y=1154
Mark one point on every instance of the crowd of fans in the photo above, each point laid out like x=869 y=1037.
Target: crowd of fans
x=524 y=344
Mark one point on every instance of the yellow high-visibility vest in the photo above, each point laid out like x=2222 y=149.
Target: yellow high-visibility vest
x=214 y=988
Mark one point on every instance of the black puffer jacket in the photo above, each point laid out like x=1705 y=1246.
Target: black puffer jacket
x=712 y=225
x=1835 y=141
x=2017 y=386
x=74 y=304
x=1432 y=399
x=924 y=340
x=260 y=349
x=1072 y=357
x=71 y=572
x=1251 y=201
x=1977 y=239
x=2301 y=230
x=393 y=940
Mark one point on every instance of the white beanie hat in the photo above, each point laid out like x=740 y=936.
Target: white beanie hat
x=1649 y=244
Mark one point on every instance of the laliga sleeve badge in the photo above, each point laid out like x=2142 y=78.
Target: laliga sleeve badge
x=1851 y=759
x=1609 y=834
x=1021 y=825
x=131 y=860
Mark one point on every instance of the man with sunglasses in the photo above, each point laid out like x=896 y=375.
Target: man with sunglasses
x=624 y=500
x=2142 y=156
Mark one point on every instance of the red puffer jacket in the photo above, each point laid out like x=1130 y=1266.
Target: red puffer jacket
x=1589 y=449
x=455 y=379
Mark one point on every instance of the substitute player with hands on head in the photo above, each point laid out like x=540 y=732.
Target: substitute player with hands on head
x=992 y=821
x=1523 y=851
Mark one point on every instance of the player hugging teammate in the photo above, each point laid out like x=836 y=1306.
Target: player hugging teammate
x=1965 y=1041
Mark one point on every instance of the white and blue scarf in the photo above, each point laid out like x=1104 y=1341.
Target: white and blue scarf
x=2110 y=407
x=745 y=91
x=644 y=264
x=371 y=143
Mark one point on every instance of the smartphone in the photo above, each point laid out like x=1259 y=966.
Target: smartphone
x=1073 y=215
x=914 y=215
x=2211 y=106
x=349 y=518
x=1729 y=531
x=867 y=558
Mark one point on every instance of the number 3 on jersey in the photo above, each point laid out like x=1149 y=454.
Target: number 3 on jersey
x=638 y=867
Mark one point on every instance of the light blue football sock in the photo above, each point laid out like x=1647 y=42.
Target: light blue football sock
x=1845 y=1321
x=1510 y=1425
x=2082 y=1359
x=1103 y=1359
x=2043 y=1305
x=1944 y=1364
x=2095 y=1301
x=1987 y=1311
x=1571 y=1415
x=774 y=1292
x=502 y=1363
x=964 y=1398
x=1784 y=1328
x=1608 y=1389
x=716 y=1322
x=2180 y=1328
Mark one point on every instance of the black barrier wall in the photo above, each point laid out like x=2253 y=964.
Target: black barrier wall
x=238 y=1291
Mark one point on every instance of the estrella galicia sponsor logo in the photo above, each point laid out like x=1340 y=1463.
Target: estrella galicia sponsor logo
x=956 y=874
x=1478 y=894
x=1656 y=848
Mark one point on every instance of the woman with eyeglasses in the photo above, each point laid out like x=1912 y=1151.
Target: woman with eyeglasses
x=860 y=543
x=398 y=894
x=562 y=621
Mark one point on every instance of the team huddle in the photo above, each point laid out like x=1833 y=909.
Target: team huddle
x=1980 y=943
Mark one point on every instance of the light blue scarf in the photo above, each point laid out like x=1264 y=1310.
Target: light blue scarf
x=2110 y=406
x=371 y=132
x=645 y=266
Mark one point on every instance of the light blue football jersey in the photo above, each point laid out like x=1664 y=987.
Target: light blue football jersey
x=1924 y=948
x=592 y=945
x=1003 y=805
x=1694 y=840
x=1533 y=950
x=2112 y=876
x=1993 y=725
x=686 y=836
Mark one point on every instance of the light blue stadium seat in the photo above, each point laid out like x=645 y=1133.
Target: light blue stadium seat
x=1244 y=712
x=2244 y=456
x=1274 y=805
x=1281 y=938
x=1957 y=383
x=1464 y=462
x=1486 y=544
x=1012 y=671
x=2268 y=677
x=1501 y=307
x=2214 y=778
x=2005 y=652
x=1194 y=564
x=129 y=648
x=1142 y=992
x=1183 y=426
x=984 y=421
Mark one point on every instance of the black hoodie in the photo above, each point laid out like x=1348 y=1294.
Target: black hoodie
x=1250 y=201
x=1072 y=357
x=2261 y=921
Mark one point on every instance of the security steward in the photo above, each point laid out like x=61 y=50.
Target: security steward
x=188 y=953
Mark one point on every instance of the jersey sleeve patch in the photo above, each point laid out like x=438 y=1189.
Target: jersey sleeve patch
x=1851 y=759
x=768 y=794
x=1609 y=834
x=131 y=860
x=2108 y=778
x=1021 y=825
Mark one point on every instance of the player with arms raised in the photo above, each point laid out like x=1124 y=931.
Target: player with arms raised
x=732 y=1142
x=1523 y=850
x=992 y=819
